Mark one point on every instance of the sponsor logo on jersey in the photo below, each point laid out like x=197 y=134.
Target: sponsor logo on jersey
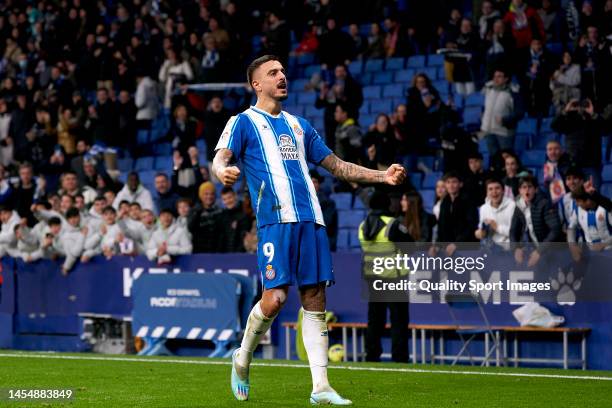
x=270 y=272
x=287 y=148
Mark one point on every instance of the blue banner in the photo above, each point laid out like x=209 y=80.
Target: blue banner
x=187 y=306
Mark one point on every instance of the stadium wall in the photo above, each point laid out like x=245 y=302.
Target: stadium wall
x=39 y=307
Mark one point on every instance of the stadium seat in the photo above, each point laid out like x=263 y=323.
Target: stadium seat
x=367 y=120
x=441 y=73
x=365 y=79
x=365 y=108
x=147 y=177
x=555 y=48
x=343 y=200
x=343 y=239
x=527 y=125
x=471 y=116
x=430 y=180
x=143 y=164
x=521 y=142
x=162 y=149
x=158 y=134
x=312 y=112
x=163 y=163
x=392 y=90
x=431 y=73
x=427 y=161
x=306 y=59
x=295 y=109
x=416 y=180
x=540 y=141
x=383 y=78
x=373 y=65
x=307 y=98
x=125 y=165
x=309 y=71
x=358 y=204
x=298 y=85
x=606 y=189
x=435 y=60
x=393 y=64
x=429 y=198
x=381 y=106
x=545 y=126
x=533 y=158
x=404 y=75
x=319 y=124
x=416 y=61
x=355 y=68
x=142 y=137
x=350 y=218
x=371 y=92
x=475 y=99
x=606 y=174
x=354 y=238
x=441 y=86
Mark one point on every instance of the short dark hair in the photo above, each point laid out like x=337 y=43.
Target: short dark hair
x=184 y=200
x=493 y=180
x=161 y=174
x=54 y=221
x=581 y=194
x=451 y=174
x=167 y=211
x=100 y=198
x=529 y=179
x=72 y=212
x=134 y=204
x=258 y=62
x=575 y=172
x=227 y=189
x=122 y=202
x=109 y=208
x=5 y=207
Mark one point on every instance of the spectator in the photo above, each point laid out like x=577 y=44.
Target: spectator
x=182 y=132
x=535 y=220
x=335 y=46
x=205 y=221
x=170 y=239
x=495 y=215
x=146 y=100
x=440 y=192
x=67 y=131
x=328 y=207
x=6 y=144
x=487 y=19
x=551 y=21
x=211 y=65
x=501 y=114
x=512 y=172
x=27 y=189
x=215 y=117
x=574 y=179
x=423 y=114
x=392 y=39
x=458 y=217
x=72 y=239
x=133 y=191
x=418 y=223
x=186 y=174
x=174 y=71
x=277 y=39
x=6 y=190
x=380 y=143
x=591 y=53
x=8 y=242
x=474 y=180
x=556 y=164
x=536 y=84
x=500 y=50
x=359 y=42
x=107 y=241
x=582 y=127
x=309 y=43
x=104 y=120
x=348 y=135
x=139 y=227
x=165 y=196
x=221 y=36
x=593 y=219
x=467 y=60
x=565 y=83
x=127 y=120
x=183 y=208
x=525 y=23
x=376 y=43
x=22 y=119
x=234 y=221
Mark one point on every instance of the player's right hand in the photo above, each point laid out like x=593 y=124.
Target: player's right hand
x=229 y=175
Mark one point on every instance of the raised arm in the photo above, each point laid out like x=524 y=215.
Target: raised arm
x=351 y=172
x=225 y=173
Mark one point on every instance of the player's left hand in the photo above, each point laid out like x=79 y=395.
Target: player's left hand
x=395 y=175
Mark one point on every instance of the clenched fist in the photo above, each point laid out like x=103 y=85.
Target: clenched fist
x=229 y=175
x=395 y=175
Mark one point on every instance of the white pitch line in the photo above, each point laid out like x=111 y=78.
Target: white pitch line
x=285 y=365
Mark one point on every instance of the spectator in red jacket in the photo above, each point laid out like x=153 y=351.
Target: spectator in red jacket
x=525 y=23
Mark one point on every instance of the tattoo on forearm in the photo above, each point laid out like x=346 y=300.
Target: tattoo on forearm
x=351 y=172
x=221 y=161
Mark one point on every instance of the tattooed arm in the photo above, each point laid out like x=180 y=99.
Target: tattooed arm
x=225 y=173
x=351 y=172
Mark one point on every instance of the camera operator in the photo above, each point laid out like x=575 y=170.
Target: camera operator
x=582 y=127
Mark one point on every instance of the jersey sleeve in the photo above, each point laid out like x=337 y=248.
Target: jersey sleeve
x=233 y=136
x=316 y=150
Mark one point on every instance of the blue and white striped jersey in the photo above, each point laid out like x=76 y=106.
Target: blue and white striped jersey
x=273 y=152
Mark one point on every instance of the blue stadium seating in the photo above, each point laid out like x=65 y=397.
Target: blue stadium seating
x=435 y=60
x=381 y=106
x=365 y=108
x=354 y=238
x=318 y=124
x=306 y=59
x=428 y=161
x=355 y=68
x=416 y=180
x=367 y=120
x=158 y=134
x=533 y=158
x=606 y=189
x=371 y=92
x=358 y=204
x=163 y=163
x=394 y=64
x=471 y=115
x=431 y=73
x=295 y=109
x=350 y=219
x=343 y=200
x=298 y=85
x=416 y=61
x=143 y=163
x=125 y=165
x=373 y=65
x=343 y=239
x=429 y=198
x=142 y=137
x=606 y=173
x=545 y=125
x=521 y=142
x=311 y=70
x=527 y=125
x=306 y=98
x=383 y=78
x=441 y=86
x=441 y=73
x=540 y=141
x=392 y=90
x=430 y=179
x=475 y=99
x=147 y=177
x=162 y=149
x=404 y=75
x=365 y=79
x=313 y=112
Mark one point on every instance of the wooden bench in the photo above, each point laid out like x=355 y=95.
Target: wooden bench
x=501 y=356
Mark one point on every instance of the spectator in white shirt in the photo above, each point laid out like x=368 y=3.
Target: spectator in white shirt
x=133 y=191
x=168 y=240
x=496 y=215
x=72 y=239
x=594 y=220
x=8 y=241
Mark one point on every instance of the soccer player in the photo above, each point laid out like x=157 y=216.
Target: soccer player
x=273 y=148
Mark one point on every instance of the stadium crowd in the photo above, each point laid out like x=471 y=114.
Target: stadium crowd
x=80 y=79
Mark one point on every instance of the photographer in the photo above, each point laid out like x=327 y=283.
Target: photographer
x=582 y=127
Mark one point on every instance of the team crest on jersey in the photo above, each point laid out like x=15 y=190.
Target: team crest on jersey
x=270 y=273
x=298 y=131
x=287 y=148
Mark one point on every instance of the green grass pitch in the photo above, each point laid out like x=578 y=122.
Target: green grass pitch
x=127 y=381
